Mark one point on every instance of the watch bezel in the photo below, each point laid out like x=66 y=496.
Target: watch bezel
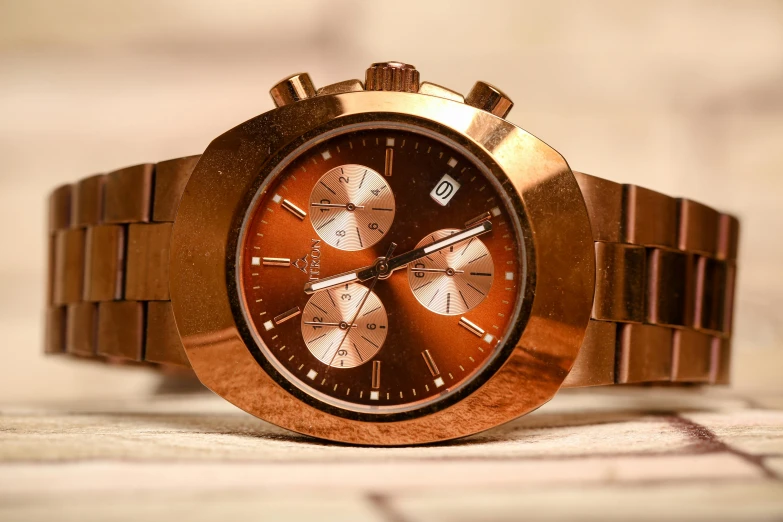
x=558 y=294
x=310 y=394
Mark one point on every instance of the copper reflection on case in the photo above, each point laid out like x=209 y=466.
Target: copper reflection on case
x=530 y=358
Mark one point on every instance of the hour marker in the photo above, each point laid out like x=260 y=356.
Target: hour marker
x=312 y=375
x=288 y=314
x=326 y=154
x=276 y=198
x=489 y=338
x=471 y=327
x=387 y=169
x=430 y=363
x=293 y=209
x=478 y=219
x=255 y=261
x=509 y=276
x=439 y=382
x=390 y=142
x=376 y=374
x=495 y=211
x=452 y=162
x=268 y=325
x=375 y=395
x=276 y=261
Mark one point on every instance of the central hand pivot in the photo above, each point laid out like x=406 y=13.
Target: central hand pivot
x=383 y=267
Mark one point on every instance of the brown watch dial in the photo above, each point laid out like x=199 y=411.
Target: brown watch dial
x=337 y=207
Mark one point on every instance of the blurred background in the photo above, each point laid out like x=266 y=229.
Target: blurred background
x=682 y=97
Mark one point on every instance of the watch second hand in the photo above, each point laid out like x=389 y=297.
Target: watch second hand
x=436 y=270
x=319 y=324
x=361 y=305
x=336 y=205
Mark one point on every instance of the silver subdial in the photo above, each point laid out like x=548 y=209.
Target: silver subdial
x=454 y=280
x=351 y=207
x=326 y=324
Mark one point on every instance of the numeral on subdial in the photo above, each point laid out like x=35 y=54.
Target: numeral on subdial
x=453 y=280
x=352 y=207
x=331 y=338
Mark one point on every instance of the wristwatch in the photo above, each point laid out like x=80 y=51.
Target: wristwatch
x=388 y=262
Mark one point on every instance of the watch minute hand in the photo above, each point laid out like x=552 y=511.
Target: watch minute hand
x=368 y=272
x=414 y=255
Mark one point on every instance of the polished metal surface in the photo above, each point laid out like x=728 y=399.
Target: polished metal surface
x=171 y=177
x=110 y=237
x=432 y=89
x=105 y=247
x=667 y=310
x=147 y=269
x=489 y=98
x=558 y=296
x=341 y=87
x=127 y=195
x=392 y=76
x=295 y=88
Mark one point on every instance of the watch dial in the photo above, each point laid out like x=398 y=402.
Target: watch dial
x=413 y=336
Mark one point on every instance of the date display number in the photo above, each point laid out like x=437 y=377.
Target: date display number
x=445 y=189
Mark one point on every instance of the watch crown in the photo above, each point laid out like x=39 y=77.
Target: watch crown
x=392 y=76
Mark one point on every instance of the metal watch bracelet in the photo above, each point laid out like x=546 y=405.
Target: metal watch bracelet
x=662 y=311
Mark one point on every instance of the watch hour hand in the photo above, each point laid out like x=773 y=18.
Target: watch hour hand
x=311 y=287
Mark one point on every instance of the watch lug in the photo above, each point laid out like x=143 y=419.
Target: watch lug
x=341 y=87
x=432 y=89
x=292 y=89
x=489 y=98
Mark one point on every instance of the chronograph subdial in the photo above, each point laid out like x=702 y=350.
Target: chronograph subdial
x=351 y=207
x=454 y=280
x=327 y=329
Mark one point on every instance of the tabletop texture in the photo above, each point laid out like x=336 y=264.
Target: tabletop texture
x=588 y=455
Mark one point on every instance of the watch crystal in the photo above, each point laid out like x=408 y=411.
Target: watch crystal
x=380 y=335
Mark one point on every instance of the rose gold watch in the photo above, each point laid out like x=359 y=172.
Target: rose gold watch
x=388 y=263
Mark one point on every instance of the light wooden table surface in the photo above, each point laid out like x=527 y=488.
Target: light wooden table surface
x=657 y=454
x=682 y=97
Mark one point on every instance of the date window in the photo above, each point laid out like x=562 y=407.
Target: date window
x=445 y=190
